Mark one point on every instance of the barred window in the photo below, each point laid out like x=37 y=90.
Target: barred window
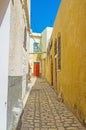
x=59 y=52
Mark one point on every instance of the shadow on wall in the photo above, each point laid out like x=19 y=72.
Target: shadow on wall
x=3 y=8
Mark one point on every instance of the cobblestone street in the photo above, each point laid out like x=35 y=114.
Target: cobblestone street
x=43 y=111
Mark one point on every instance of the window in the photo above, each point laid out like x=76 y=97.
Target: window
x=25 y=38
x=59 y=52
x=50 y=44
x=55 y=47
x=35 y=47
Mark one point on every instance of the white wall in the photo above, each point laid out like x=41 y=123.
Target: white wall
x=4 y=54
x=17 y=64
x=49 y=33
x=46 y=35
x=43 y=41
x=16 y=39
x=35 y=37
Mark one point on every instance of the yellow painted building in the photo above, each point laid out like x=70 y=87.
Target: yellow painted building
x=69 y=56
x=49 y=64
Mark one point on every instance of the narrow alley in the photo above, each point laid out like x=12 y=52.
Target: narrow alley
x=43 y=111
x=43 y=65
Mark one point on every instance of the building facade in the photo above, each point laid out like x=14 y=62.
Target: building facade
x=38 y=51
x=69 y=56
x=34 y=54
x=18 y=61
x=14 y=35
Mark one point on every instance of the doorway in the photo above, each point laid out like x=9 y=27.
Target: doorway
x=55 y=75
x=36 y=69
x=51 y=71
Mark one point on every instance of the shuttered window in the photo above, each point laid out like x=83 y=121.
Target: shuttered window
x=59 y=52
x=55 y=47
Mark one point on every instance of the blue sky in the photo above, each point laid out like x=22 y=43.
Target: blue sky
x=43 y=14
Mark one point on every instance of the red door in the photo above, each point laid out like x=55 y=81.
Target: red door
x=36 y=69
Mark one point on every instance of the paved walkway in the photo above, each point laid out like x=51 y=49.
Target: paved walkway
x=43 y=111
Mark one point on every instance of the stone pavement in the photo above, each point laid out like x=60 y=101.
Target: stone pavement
x=43 y=111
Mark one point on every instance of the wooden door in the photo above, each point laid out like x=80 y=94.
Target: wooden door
x=36 y=69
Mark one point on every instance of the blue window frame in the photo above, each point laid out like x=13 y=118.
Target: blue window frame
x=35 y=47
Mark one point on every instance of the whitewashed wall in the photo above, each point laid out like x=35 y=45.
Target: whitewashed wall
x=17 y=81
x=35 y=37
x=46 y=34
x=49 y=33
x=4 y=56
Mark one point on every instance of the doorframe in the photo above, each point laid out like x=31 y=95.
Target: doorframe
x=51 y=66
x=55 y=70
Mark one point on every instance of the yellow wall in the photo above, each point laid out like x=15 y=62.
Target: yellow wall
x=47 y=68
x=71 y=79
x=48 y=74
x=43 y=67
